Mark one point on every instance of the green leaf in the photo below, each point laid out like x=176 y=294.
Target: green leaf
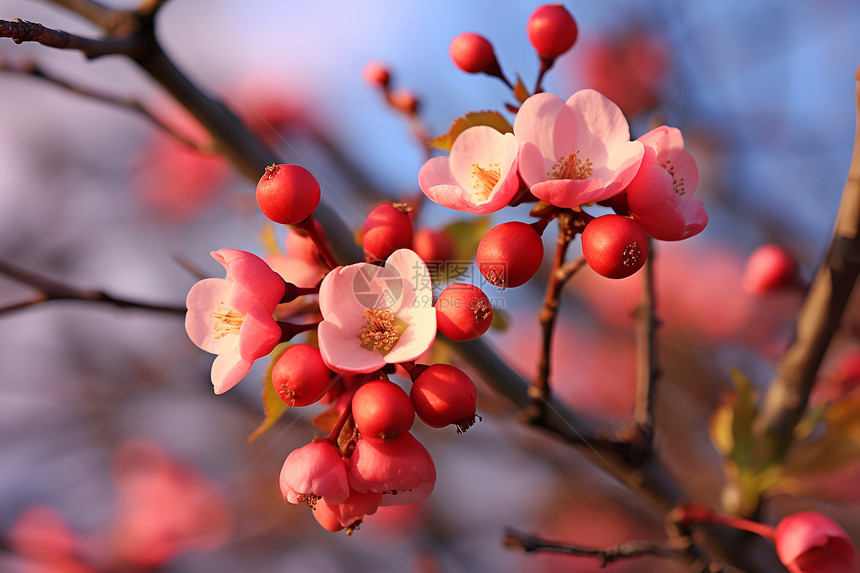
x=493 y=119
x=273 y=406
x=743 y=453
x=501 y=320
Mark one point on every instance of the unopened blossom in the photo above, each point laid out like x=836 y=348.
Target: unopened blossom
x=349 y=513
x=575 y=152
x=401 y=468
x=373 y=316
x=661 y=196
x=302 y=264
x=312 y=472
x=232 y=317
x=480 y=174
x=810 y=542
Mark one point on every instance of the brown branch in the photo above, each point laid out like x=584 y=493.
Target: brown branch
x=817 y=320
x=49 y=289
x=33 y=70
x=647 y=368
x=21 y=31
x=539 y=390
x=628 y=550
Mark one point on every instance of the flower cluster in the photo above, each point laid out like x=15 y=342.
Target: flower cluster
x=374 y=319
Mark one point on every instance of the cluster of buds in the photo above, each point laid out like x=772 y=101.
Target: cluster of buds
x=374 y=319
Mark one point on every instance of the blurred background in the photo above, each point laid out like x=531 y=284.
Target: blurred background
x=111 y=440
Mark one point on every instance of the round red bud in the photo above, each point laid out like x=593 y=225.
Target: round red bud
x=300 y=376
x=376 y=73
x=382 y=410
x=444 y=395
x=614 y=246
x=463 y=312
x=768 y=268
x=510 y=254
x=288 y=194
x=386 y=229
x=472 y=53
x=433 y=245
x=551 y=30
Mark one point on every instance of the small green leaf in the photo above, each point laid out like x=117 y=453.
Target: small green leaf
x=520 y=90
x=273 y=406
x=501 y=320
x=465 y=235
x=491 y=118
x=745 y=411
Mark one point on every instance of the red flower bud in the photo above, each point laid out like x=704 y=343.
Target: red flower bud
x=809 y=542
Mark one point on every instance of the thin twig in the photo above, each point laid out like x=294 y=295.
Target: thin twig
x=50 y=289
x=96 y=12
x=34 y=70
x=21 y=31
x=629 y=550
x=817 y=320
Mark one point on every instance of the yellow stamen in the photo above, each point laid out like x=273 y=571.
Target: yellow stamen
x=570 y=166
x=228 y=321
x=381 y=331
x=484 y=180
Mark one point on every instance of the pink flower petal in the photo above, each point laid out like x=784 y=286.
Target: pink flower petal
x=417 y=338
x=259 y=335
x=201 y=301
x=342 y=351
x=255 y=278
x=227 y=369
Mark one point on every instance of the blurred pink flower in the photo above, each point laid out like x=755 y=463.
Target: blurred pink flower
x=232 y=317
x=809 y=542
x=480 y=174
x=312 y=472
x=373 y=316
x=301 y=264
x=629 y=70
x=577 y=151
x=163 y=507
x=660 y=196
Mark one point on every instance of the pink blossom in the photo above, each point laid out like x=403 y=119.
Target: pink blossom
x=577 y=151
x=232 y=317
x=163 y=507
x=660 y=197
x=312 y=472
x=373 y=316
x=809 y=542
x=480 y=174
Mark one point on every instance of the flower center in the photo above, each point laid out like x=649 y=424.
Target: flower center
x=381 y=331
x=484 y=180
x=309 y=498
x=227 y=321
x=677 y=182
x=570 y=166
